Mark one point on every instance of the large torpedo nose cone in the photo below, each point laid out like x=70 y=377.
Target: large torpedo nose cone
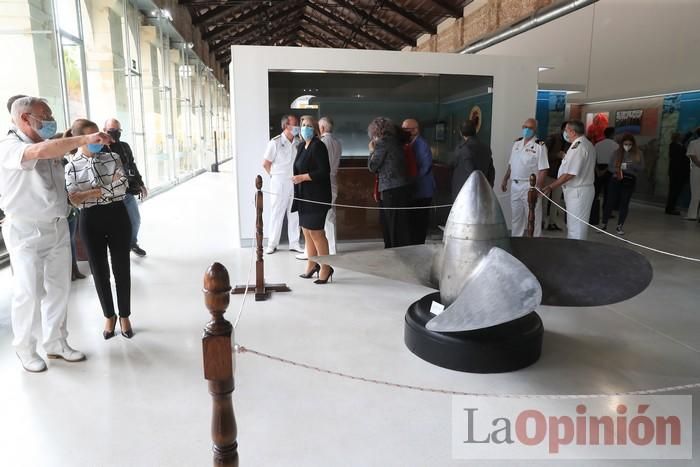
x=476 y=204
x=474 y=226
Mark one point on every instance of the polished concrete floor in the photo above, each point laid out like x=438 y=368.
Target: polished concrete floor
x=144 y=402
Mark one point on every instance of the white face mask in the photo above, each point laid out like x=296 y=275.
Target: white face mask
x=627 y=147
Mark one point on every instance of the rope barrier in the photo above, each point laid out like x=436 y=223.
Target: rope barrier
x=378 y=208
x=242 y=349
x=616 y=237
x=247 y=281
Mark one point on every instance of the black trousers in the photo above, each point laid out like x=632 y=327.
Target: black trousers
x=419 y=220
x=107 y=228
x=619 y=197
x=396 y=222
x=601 y=187
x=675 y=187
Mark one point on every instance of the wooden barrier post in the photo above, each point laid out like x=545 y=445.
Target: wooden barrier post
x=262 y=290
x=218 y=366
x=531 y=203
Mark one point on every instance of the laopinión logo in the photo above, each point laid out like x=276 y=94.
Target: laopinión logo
x=629 y=427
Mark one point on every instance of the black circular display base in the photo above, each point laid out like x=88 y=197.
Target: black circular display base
x=506 y=347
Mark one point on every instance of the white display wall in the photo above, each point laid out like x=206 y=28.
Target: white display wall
x=514 y=95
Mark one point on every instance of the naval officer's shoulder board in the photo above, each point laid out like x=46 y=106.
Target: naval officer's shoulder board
x=519 y=139
x=541 y=142
x=576 y=145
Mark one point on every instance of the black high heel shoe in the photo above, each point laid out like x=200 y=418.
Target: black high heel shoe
x=310 y=274
x=110 y=334
x=329 y=278
x=129 y=333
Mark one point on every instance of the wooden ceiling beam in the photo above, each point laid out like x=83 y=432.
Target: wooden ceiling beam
x=343 y=22
x=445 y=5
x=405 y=38
x=333 y=33
x=426 y=26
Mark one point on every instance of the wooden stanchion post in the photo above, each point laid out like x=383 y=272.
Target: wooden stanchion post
x=218 y=366
x=262 y=290
x=531 y=203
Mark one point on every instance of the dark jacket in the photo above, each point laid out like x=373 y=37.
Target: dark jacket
x=471 y=155
x=133 y=176
x=313 y=161
x=678 y=165
x=388 y=162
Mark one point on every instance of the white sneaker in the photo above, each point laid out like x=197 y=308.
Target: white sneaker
x=297 y=248
x=64 y=351
x=32 y=362
x=302 y=256
x=270 y=249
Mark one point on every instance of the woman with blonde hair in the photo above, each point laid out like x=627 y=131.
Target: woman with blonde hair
x=628 y=162
x=96 y=183
x=312 y=182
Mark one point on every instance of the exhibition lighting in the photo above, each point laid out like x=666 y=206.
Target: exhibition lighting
x=641 y=97
x=560 y=90
x=307 y=71
x=526 y=25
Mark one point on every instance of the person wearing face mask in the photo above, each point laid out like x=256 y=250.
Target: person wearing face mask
x=424 y=184
x=97 y=184
x=628 y=164
x=576 y=175
x=278 y=162
x=33 y=195
x=136 y=186
x=528 y=156
x=693 y=153
x=312 y=181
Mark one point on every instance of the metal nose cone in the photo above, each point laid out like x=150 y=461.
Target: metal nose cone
x=476 y=204
x=474 y=226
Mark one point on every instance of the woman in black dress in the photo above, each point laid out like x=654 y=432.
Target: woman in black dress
x=312 y=182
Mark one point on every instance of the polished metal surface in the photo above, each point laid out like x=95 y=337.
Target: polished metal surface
x=474 y=226
x=583 y=273
x=484 y=302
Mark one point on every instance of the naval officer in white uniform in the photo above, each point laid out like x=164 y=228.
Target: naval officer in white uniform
x=278 y=162
x=33 y=195
x=528 y=156
x=576 y=176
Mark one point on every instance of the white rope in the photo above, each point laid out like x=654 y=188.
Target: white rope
x=378 y=208
x=616 y=237
x=241 y=349
x=247 y=281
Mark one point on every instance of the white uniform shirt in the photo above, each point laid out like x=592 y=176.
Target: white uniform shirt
x=31 y=190
x=281 y=152
x=103 y=170
x=604 y=150
x=694 y=150
x=335 y=150
x=579 y=161
x=526 y=159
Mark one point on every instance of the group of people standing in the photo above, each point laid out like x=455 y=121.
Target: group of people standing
x=36 y=184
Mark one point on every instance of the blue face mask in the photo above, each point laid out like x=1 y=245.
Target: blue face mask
x=528 y=133
x=48 y=128
x=295 y=130
x=307 y=133
x=94 y=148
x=566 y=137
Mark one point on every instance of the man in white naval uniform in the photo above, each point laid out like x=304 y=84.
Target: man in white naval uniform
x=278 y=162
x=33 y=195
x=528 y=156
x=576 y=176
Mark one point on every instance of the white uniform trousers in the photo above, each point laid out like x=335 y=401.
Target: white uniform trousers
x=578 y=201
x=41 y=263
x=281 y=205
x=520 y=210
x=554 y=212
x=694 y=193
x=329 y=227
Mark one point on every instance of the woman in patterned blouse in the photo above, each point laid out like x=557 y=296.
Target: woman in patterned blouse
x=97 y=184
